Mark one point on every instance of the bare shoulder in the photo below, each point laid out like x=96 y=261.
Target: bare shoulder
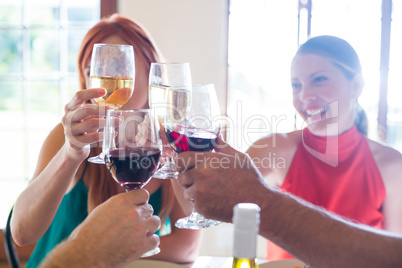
x=273 y=154
x=51 y=145
x=54 y=141
x=279 y=143
x=389 y=161
x=385 y=155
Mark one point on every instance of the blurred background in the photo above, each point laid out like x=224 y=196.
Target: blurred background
x=243 y=47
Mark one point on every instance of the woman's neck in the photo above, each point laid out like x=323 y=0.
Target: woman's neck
x=330 y=128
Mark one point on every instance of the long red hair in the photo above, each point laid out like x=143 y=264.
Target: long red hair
x=101 y=184
x=128 y=30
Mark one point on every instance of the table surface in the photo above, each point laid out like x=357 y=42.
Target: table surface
x=214 y=262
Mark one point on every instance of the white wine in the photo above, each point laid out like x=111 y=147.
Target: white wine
x=244 y=263
x=178 y=101
x=246 y=219
x=173 y=102
x=156 y=99
x=119 y=89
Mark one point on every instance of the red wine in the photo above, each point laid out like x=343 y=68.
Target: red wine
x=192 y=140
x=133 y=167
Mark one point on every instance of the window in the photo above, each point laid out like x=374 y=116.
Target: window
x=364 y=34
x=262 y=42
x=38 y=58
x=263 y=37
x=394 y=133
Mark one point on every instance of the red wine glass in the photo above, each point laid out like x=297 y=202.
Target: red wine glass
x=132 y=148
x=198 y=131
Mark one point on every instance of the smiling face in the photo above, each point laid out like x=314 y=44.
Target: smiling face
x=322 y=94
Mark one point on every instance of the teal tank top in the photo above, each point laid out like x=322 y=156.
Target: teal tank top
x=71 y=212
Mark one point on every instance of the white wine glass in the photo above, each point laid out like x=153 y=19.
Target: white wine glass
x=197 y=131
x=112 y=68
x=163 y=76
x=132 y=149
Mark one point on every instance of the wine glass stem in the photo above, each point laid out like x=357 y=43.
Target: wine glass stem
x=195 y=216
x=170 y=160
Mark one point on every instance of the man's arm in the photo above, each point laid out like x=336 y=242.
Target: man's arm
x=218 y=181
x=114 y=234
x=322 y=239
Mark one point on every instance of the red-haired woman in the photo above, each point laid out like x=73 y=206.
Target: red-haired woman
x=66 y=187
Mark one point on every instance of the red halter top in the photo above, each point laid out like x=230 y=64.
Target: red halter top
x=345 y=181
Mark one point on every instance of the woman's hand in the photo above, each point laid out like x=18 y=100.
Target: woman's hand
x=144 y=132
x=144 y=137
x=167 y=151
x=82 y=121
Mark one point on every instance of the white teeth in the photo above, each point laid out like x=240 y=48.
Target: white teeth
x=314 y=112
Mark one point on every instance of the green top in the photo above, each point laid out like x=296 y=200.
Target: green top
x=71 y=212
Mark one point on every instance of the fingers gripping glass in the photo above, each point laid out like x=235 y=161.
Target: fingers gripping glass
x=112 y=68
x=132 y=148
x=164 y=76
x=197 y=131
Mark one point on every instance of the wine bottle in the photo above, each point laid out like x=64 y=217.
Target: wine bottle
x=246 y=220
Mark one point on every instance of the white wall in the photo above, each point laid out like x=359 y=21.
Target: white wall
x=194 y=31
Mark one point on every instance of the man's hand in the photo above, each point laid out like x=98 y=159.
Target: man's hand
x=213 y=180
x=114 y=234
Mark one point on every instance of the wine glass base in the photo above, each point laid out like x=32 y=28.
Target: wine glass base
x=151 y=252
x=96 y=160
x=190 y=223
x=166 y=172
x=162 y=175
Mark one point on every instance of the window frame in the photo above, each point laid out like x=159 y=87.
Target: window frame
x=63 y=77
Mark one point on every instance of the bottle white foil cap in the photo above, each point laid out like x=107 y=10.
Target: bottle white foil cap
x=246 y=220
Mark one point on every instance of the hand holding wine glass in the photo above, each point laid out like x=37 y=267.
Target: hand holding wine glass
x=132 y=148
x=81 y=122
x=197 y=131
x=112 y=68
